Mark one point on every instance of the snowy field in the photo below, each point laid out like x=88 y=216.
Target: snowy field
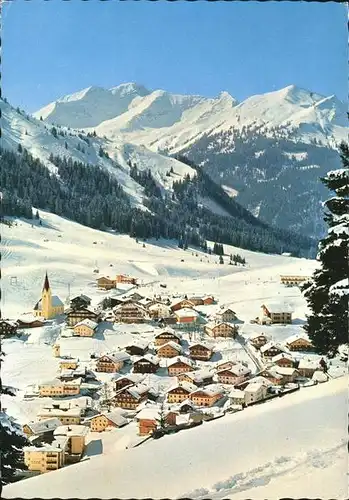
x=255 y=453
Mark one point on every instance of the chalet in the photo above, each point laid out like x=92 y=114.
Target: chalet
x=288 y=374
x=178 y=304
x=180 y=392
x=207 y=396
x=123 y=278
x=169 y=350
x=186 y=406
x=180 y=365
x=200 y=351
x=29 y=321
x=237 y=397
x=159 y=310
x=197 y=377
x=138 y=348
x=76 y=435
x=74 y=316
x=131 y=397
x=299 y=343
x=293 y=280
x=271 y=376
x=187 y=316
x=58 y=388
x=103 y=421
x=258 y=379
x=254 y=392
x=226 y=315
x=166 y=336
x=167 y=321
x=146 y=364
x=46 y=458
x=85 y=328
x=69 y=374
x=208 y=300
x=66 y=417
x=106 y=283
x=149 y=420
x=226 y=365
x=42 y=428
x=283 y=359
x=130 y=312
x=307 y=367
x=69 y=364
x=236 y=374
x=196 y=301
x=277 y=313
x=271 y=349
x=258 y=340
x=80 y=301
x=111 y=363
x=120 y=382
x=7 y=327
x=221 y=330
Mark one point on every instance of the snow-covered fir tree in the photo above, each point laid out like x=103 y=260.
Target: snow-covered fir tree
x=327 y=292
x=12 y=441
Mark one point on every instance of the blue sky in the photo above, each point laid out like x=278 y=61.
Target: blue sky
x=52 y=48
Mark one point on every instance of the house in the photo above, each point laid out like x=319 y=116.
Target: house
x=146 y=364
x=111 y=363
x=137 y=348
x=127 y=380
x=225 y=315
x=46 y=458
x=196 y=301
x=178 y=304
x=186 y=406
x=169 y=350
x=130 y=312
x=277 y=313
x=307 y=367
x=255 y=391
x=7 y=327
x=299 y=343
x=85 y=328
x=221 y=330
x=74 y=316
x=207 y=396
x=131 y=397
x=57 y=387
x=180 y=392
x=226 y=365
x=166 y=336
x=187 y=316
x=208 y=300
x=29 y=321
x=200 y=351
x=65 y=416
x=123 y=278
x=236 y=374
x=271 y=375
x=149 y=420
x=49 y=305
x=197 y=377
x=80 y=301
x=42 y=428
x=179 y=365
x=103 y=421
x=293 y=280
x=258 y=379
x=76 y=435
x=283 y=359
x=68 y=374
x=237 y=397
x=106 y=283
x=271 y=349
x=69 y=364
x=159 y=310
x=82 y=403
x=288 y=374
x=258 y=340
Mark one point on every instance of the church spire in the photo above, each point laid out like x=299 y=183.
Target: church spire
x=46 y=283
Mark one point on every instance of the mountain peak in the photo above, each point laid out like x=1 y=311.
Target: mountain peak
x=130 y=88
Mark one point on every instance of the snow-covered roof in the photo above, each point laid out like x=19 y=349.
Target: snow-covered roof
x=56 y=301
x=283 y=370
x=236 y=393
x=270 y=344
x=149 y=357
x=71 y=430
x=320 y=376
x=224 y=310
x=172 y=344
x=116 y=357
x=255 y=387
x=199 y=375
x=69 y=360
x=308 y=363
x=257 y=335
x=260 y=380
x=297 y=336
x=181 y=359
x=186 y=312
x=199 y=344
x=171 y=331
x=114 y=416
x=187 y=386
x=282 y=355
x=42 y=426
x=239 y=369
x=57 y=412
x=87 y=322
x=276 y=307
x=214 y=324
x=141 y=343
x=150 y=414
x=29 y=318
x=209 y=391
x=138 y=390
x=132 y=377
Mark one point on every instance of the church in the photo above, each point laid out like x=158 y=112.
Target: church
x=49 y=305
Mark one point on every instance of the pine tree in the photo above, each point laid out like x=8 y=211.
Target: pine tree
x=327 y=292
x=12 y=441
x=19 y=148
x=37 y=216
x=221 y=261
x=54 y=132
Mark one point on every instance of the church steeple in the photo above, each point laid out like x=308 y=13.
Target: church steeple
x=46 y=284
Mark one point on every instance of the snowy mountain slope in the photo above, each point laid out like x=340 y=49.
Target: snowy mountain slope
x=248 y=456
x=91 y=106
